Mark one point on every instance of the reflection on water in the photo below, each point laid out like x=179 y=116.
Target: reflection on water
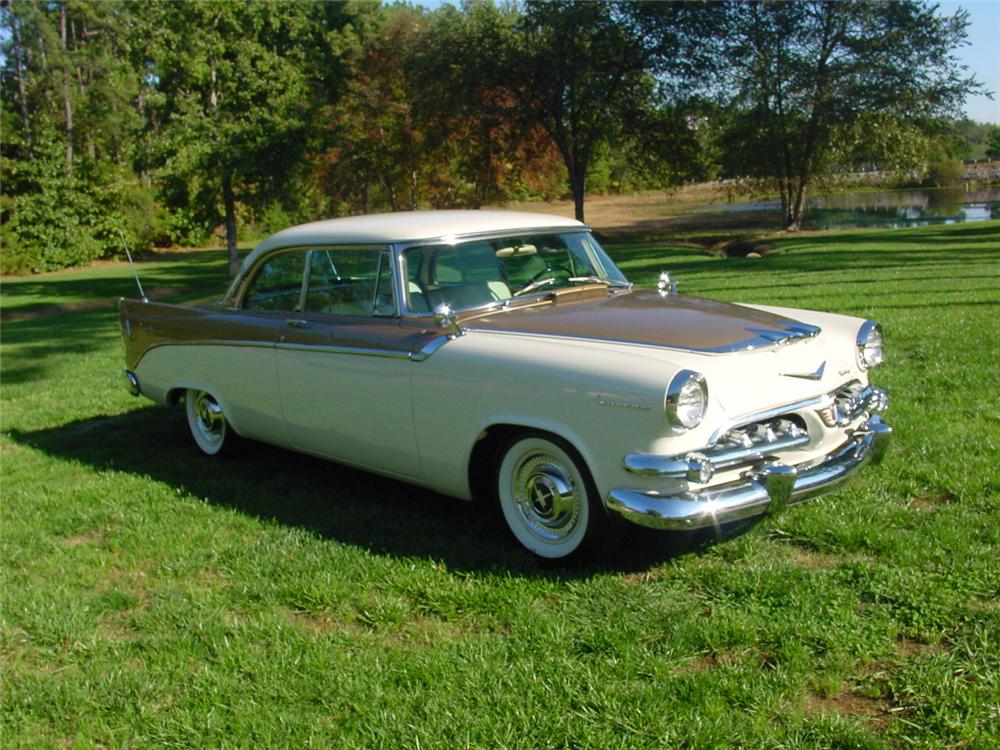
x=903 y=208
x=892 y=208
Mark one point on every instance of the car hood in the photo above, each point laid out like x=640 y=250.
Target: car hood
x=651 y=319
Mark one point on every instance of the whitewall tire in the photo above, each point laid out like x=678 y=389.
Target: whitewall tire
x=210 y=429
x=548 y=498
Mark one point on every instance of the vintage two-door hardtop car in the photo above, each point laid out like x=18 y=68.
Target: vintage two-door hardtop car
x=504 y=355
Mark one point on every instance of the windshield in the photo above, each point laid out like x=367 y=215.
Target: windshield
x=480 y=272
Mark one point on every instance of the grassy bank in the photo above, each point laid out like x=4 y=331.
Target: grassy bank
x=153 y=598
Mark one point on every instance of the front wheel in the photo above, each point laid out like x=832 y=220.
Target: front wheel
x=549 y=500
x=210 y=429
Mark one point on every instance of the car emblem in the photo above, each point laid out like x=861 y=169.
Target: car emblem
x=816 y=375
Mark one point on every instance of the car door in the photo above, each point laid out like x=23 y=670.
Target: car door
x=343 y=364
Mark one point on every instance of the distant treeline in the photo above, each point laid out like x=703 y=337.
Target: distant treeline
x=159 y=123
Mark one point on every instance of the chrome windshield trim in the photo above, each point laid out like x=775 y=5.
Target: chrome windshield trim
x=493 y=234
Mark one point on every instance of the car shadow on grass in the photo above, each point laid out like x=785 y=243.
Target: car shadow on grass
x=332 y=501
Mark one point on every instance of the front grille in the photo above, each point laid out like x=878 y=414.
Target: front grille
x=752 y=442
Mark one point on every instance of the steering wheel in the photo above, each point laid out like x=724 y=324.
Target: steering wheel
x=547 y=269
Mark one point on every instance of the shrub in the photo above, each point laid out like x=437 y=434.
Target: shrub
x=944 y=172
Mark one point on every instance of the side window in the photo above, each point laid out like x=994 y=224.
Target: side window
x=350 y=281
x=277 y=285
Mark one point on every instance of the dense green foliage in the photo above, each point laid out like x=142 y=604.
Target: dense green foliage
x=154 y=598
x=159 y=123
x=826 y=84
x=993 y=145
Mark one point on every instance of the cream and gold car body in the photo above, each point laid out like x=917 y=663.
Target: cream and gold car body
x=562 y=401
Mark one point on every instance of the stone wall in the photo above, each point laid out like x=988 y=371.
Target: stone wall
x=988 y=172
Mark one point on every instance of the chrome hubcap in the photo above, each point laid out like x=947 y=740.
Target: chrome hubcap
x=546 y=497
x=211 y=423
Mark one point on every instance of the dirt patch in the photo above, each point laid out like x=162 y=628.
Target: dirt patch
x=710 y=661
x=322 y=624
x=745 y=248
x=42 y=311
x=908 y=647
x=932 y=501
x=874 y=711
x=814 y=560
x=88 y=537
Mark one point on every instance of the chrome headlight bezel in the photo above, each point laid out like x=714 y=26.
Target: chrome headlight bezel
x=677 y=402
x=871 y=352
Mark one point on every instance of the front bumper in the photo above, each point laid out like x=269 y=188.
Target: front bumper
x=767 y=488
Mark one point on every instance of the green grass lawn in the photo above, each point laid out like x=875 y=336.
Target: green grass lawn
x=151 y=597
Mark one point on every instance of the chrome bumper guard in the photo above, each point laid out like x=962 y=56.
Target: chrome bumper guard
x=766 y=488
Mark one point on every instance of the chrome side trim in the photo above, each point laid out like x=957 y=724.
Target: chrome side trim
x=773 y=338
x=358 y=351
x=764 y=490
x=429 y=348
x=355 y=350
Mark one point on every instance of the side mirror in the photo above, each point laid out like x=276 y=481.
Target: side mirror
x=446 y=317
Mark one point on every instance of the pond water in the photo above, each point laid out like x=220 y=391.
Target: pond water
x=893 y=208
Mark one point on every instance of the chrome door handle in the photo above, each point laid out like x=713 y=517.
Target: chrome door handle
x=297 y=323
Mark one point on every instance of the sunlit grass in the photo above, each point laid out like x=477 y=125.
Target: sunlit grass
x=153 y=598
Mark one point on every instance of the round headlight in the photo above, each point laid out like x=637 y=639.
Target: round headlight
x=687 y=399
x=870 y=351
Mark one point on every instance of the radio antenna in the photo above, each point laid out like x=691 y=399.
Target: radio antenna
x=135 y=271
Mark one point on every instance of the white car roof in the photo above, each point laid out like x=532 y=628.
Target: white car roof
x=409 y=226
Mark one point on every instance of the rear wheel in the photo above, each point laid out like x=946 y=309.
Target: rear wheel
x=211 y=431
x=549 y=500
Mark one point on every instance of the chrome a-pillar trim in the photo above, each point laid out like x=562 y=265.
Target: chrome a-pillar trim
x=763 y=490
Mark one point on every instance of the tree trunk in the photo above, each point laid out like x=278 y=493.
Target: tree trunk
x=230 y=202
x=67 y=104
x=796 y=209
x=17 y=52
x=578 y=184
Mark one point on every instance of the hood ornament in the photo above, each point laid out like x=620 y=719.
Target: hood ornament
x=666 y=285
x=816 y=375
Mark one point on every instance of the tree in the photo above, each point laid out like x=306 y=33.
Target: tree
x=591 y=72
x=376 y=153
x=232 y=101
x=993 y=144
x=69 y=131
x=806 y=75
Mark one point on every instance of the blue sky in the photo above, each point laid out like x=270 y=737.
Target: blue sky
x=982 y=55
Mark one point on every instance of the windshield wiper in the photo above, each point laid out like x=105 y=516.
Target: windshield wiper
x=600 y=280
x=535 y=285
